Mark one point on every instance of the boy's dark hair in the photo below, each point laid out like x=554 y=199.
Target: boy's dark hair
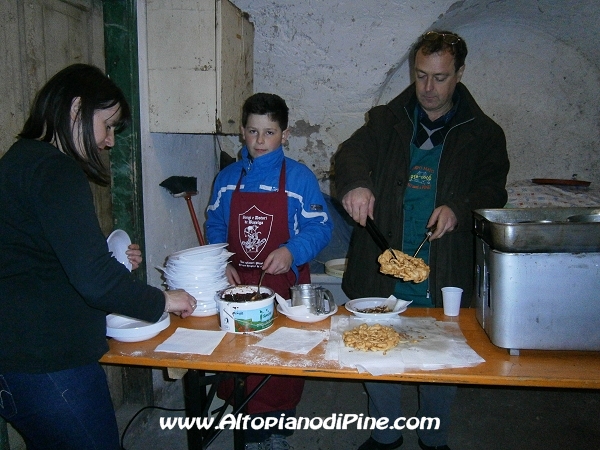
x=266 y=104
x=442 y=41
x=50 y=116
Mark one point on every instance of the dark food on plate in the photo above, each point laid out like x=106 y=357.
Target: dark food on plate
x=376 y=310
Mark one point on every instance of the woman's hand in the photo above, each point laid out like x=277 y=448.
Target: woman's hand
x=179 y=303
x=134 y=255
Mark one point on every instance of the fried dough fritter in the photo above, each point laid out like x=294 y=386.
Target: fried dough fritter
x=373 y=338
x=403 y=266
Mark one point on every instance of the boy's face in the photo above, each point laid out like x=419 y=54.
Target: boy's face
x=262 y=135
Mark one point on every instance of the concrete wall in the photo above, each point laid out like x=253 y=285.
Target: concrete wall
x=530 y=65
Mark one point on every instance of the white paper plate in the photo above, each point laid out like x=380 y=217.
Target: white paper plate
x=194 y=283
x=336 y=267
x=128 y=329
x=176 y=265
x=205 y=312
x=207 y=277
x=118 y=243
x=193 y=270
x=372 y=302
x=204 y=250
x=308 y=318
x=204 y=289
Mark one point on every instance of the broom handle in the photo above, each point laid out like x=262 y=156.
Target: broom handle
x=188 y=199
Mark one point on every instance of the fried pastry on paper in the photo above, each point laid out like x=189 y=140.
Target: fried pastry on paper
x=403 y=266
x=373 y=338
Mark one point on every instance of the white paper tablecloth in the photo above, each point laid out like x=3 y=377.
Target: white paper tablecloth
x=432 y=345
x=293 y=340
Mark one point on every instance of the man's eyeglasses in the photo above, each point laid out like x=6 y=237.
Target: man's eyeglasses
x=450 y=39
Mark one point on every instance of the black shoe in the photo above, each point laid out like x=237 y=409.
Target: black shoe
x=372 y=444
x=435 y=447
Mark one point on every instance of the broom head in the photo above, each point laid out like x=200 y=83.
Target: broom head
x=181 y=186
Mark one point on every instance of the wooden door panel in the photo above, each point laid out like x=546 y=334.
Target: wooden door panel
x=56 y=34
x=42 y=37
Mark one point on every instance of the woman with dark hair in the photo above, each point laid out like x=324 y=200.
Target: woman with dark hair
x=71 y=97
x=58 y=279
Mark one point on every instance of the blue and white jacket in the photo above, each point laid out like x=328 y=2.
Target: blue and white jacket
x=309 y=223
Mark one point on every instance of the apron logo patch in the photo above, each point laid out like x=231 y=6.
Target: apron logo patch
x=255 y=229
x=316 y=207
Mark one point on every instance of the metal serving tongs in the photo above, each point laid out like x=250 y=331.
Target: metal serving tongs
x=378 y=237
x=427 y=236
x=382 y=242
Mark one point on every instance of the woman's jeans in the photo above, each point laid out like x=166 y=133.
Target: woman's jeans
x=66 y=410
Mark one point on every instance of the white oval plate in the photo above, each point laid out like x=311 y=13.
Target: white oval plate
x=308 y=318
x=336 y=267
x=372 y=302
x=118 y=243
x=129 y=329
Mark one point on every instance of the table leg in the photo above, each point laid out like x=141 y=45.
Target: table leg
x=239 y=442
x=195 y=403
x=240 y=401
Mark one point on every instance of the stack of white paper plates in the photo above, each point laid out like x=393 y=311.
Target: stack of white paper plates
x=200 y=271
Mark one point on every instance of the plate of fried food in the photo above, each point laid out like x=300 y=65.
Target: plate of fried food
x=377 y=307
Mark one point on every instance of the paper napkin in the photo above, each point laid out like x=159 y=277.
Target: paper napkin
x=185 y=340
x=293 y=340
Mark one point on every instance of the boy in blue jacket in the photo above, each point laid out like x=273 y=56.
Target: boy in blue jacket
x=271 y=212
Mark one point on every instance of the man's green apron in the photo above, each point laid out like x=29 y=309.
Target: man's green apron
x=419 y=203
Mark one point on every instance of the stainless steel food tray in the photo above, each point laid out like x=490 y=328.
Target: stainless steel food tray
x=534 y=230
x=541 y=301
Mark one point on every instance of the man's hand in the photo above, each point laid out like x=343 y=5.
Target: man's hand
x=444 y=220
x=359 y=204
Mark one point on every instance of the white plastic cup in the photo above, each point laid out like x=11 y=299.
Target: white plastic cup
x=451 y=298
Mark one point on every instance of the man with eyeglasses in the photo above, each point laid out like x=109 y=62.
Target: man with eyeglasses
x=422 y=162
